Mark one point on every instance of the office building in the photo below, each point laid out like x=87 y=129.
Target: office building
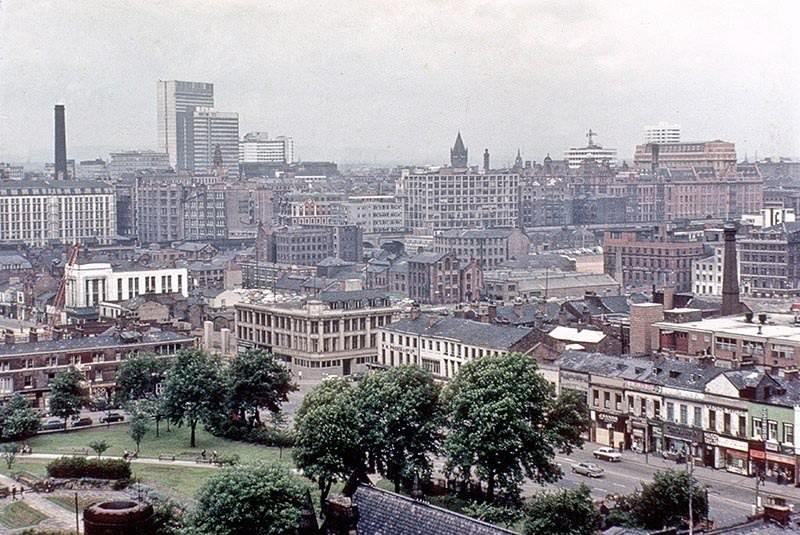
x=176 y=102
x=133 y=161
x=591 y=153
x=40 y=213
x=309 y=245
x=718 y=155
x=90 y=284
x=489 y=247
x=374 y=213
x=257 y=147
x=315 y=208
x=214 y=134
x=333 y=333
x=663 y=132
x=92 y=170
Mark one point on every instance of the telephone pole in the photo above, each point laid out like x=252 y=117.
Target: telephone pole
x=690 y=471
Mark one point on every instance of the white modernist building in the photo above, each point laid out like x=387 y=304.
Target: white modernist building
x=257 y=147
x=176 y=102
x=663 y=132
x=211 y=129
x=90 y=284
x=374 y=213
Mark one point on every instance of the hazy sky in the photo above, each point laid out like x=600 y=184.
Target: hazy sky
x=389 y=81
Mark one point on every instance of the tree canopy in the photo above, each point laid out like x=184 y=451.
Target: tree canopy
x=138 y=376
x=561 y=512
x=400 y=419
x=327 y=442
x=18 y=420
x=664 y=502
x=194 y=390
x=255 y=381
x=504 y=422
x=249 y=500
x=67 y=395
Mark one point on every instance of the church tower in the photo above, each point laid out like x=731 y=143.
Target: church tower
x=458 y=154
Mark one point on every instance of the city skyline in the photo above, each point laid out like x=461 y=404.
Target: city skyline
x=506 y=75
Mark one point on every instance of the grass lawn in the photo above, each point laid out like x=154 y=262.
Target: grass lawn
x=68 y=502
x=182 y=480
x=174 y=441
x=19 y=515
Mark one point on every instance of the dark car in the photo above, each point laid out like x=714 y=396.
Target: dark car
x=672 y=455
x=82 y=422
x=53 y=425
x=111 y=417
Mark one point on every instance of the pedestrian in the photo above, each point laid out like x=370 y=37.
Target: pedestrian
x=21 y=492
x=300 y=375
x=13 y=493
x=203 y=454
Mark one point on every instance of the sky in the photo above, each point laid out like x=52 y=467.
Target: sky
x=386 y=82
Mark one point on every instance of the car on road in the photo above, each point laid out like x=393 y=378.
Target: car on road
x=607 y=454
x=82 y=422
x=53 y=425
x=673 y=455
x=111 y=417
x=587 y=469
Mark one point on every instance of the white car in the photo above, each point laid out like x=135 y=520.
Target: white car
x=607 y=454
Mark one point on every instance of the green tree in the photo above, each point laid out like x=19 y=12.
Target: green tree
x=67 y=394
x=18 y=420
x=561 y=512
x=400 y=419
x=256 y=499
x=152 y=407
x=99 y=446
x=9 y=453
x=502 y=417
x=257 y=381
x=138 y=376
x=664 y=502
x=327 y=441
x=137 y=428
x=193 y=390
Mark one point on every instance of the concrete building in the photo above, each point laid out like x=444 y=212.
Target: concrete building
x=442 y=345
x=92 y=170
x=642 y=258
x=312 y=209
x=508 y=285
x=334 y=333
x=718 y=155
x=90 y=284
x=11 y=172
x=770 y=261
x=309 y=245
x=133 y=161
x=374 y=213
x=213 y=134
x=258 y=147
x=29 y=368
x=591 y=153
x=489 y=247
x=176 y=101
x=662 y=133
x=39 y=213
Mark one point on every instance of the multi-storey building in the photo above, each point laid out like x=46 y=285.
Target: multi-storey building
x=663 y=132
x=718 y=155
x=642 y=258
x=707 y=273
x=226 y=210
x=132 y=161
x=90 y=284
x=214 y=141
x=312 y=209
x=578 y=156
x=38 y=213
x=308 y=245
x=440 y=278
x=29 y=368
x=442 y=345
x=333 y=333
x=769 y=261
x=374 y=213
x=257 y=147
x=92 y=170
x=176 y=103
x=11 y=172
x=489 y=247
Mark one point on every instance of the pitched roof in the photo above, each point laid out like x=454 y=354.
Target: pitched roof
x=583 y=336
x=462 y=330
x=385 y=513
x=427 y=258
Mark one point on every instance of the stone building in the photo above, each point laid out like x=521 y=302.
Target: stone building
x=489 y=247
x=440 y=278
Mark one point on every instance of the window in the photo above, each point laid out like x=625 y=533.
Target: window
x=595 y=398
x=757 y=427
x=697 y=421
x=657 y=408
x=726 y=423
x=772 y=430
x=712 y=420
x=670 y=411
x=788 y=433
x=607 y=400
x=684 y=411
x=630 y=404
x=742 y=426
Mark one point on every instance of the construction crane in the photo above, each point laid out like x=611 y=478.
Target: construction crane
x=58 y=301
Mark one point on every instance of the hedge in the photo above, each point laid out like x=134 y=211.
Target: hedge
x=76 y=467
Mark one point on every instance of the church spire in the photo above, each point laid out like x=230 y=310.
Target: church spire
x=458 y=154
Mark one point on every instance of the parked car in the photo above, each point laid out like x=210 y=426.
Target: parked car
x=587 y=469
x=607 y=454
x=53 y=425
x=82 y=422
x=111 y=417
x=673 y=455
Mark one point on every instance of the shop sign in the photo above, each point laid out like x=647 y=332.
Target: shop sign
x=787 y=449
x=683 y=433
x=610 y=419
x=756 y=454
x=642 y=387
x=780 y=458
x=711 y=439
x=771 y=446
x=573 y=380
x=730 y=444
x=657 y=432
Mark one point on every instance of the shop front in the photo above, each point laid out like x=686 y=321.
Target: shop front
x=726 y=453
x=680 y=438
x=610 y=429
x=776 y=462
x=642 y=435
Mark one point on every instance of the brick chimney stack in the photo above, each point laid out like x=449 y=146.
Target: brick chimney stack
x=730 y=274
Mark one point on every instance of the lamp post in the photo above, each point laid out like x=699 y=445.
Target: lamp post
x=690 y=471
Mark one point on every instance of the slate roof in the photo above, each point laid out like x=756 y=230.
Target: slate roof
x=14 y=260
x=333 y=261
x=385 y=513
x=89 y=342
x=476 y=233
x=353 y=295
x=462 y=330
x=427 y=258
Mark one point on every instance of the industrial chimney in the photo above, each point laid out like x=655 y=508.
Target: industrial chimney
x=486 y=160
x=730 y=275
x=61 y=144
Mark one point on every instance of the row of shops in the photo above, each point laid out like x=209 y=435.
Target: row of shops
x=653 y=437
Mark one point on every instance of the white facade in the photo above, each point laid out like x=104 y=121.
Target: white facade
x=90 y=284
x=662 y=133
x=575 y=156
x=211 y=128
x=707 y=273
x=374 y=213
x=769 y=217
x=41 y=212
x=176 y=100
x=257 y=147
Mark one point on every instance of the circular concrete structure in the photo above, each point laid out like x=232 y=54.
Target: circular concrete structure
x=120 y=517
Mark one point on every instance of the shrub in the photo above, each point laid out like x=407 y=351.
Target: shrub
x=76 y=467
